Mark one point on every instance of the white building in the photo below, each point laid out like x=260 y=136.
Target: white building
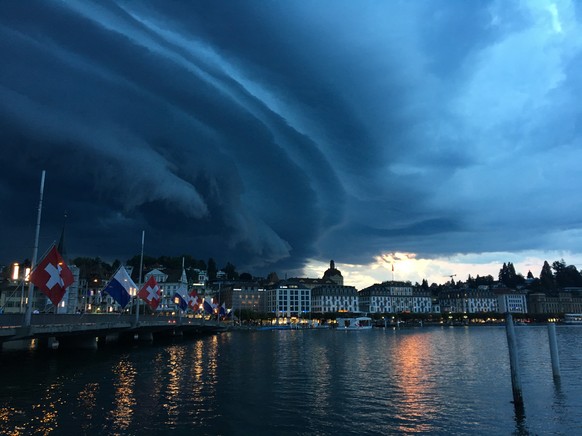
x=394 y=297
x=169 y=283
x=468 y=301
x=510 y=301
x=288 y=299
x=329 y=298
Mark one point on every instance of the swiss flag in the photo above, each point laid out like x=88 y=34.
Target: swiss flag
x=52 y=276
x=151 y=293
x=194 y=301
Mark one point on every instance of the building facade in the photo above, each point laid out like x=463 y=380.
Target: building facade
x=288 y=299
x=248 y=296
x=561 y=302
x=468 y=301
x=394 y=297
x=510 y=301
x=330 y=298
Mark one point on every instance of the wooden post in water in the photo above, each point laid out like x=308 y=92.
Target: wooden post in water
x=554 y=351
x=513 y=363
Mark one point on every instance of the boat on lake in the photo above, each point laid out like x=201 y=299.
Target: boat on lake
x=573 y=318
x=357 y=323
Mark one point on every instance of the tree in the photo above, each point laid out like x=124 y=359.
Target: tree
x=230 y=271
x=135 y=261
x=91 y=267
x=502 y=276
x=485 y=280
x=573 y=276
x=547 y=277
x=566 y=276
x=246 y=277
x=509 y=277
x=272 y=277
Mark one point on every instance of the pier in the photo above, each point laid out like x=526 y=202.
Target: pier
x=91 y=330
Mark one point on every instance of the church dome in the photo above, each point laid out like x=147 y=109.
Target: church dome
x=333 y=274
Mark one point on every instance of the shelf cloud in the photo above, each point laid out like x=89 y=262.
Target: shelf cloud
x=266 y=134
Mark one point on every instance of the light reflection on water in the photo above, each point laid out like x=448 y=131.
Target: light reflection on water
x=175 y=368
x=422 y=381
x=86 y=403
x=415 y=412
x=124 y=398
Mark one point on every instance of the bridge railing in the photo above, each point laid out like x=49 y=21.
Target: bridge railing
x=17 y=319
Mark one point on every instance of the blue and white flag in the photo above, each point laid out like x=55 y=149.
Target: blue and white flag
x=181 y=294
x=208 y=307
x=180 y=301
x=120 y=287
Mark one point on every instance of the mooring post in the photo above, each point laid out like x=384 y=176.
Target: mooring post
x=513 y=363
x=554 y=351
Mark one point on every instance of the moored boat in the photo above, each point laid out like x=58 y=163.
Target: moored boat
x=357 y=323
x=573 y=318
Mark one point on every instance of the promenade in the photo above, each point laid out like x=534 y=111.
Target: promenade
x=91 y=330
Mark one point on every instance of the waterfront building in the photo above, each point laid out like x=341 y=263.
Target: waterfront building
x=329 y=294
x=14 y=290
x=509 y=300
x=333 y=274
x=422 y=302
x=331 y=297
x=310 y=282
x=394 y=297
x=560 y=302
x=468 y=300
x=169 y=282
x=72 y=301
x=288 y=299
x=199 y=279
x=13 y=295
x=91 y=287
x=239 y=295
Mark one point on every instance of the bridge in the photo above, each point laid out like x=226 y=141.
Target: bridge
x=93 y=330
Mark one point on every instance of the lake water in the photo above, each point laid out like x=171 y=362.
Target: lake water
x=316 y=382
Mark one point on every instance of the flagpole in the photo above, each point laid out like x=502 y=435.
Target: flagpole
x=181 y=295
x=28 y=313
x=140 y=273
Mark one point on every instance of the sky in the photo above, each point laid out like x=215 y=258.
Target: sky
x=404 y=140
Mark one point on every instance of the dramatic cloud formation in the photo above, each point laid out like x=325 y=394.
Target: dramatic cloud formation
x=276 y=135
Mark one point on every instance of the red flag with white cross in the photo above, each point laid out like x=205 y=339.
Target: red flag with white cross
x=194 y=300
x=52 y=276
x=151 y=293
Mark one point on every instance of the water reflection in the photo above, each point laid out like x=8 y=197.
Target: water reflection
x=320 y=368
x=46 y=413
x=431 y=381
x=87 y=401
x=124 y=399
x=175 y=366
x=415 y=411
x=199 y=380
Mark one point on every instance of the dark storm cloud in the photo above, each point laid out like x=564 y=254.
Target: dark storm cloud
x=269 y=133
